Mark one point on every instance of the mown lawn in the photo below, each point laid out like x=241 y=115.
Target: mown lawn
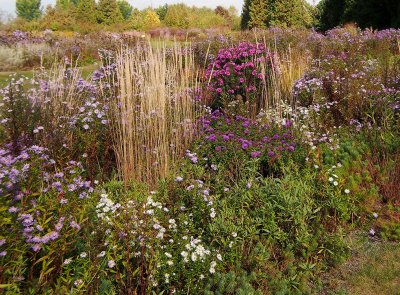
x=373 y=268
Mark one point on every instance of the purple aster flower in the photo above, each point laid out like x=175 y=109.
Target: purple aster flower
x=75 y=225
x=212 y=137
x=36 y=247
x=53 y=235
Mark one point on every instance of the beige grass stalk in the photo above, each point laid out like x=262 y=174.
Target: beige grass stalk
x=154 y=114
x=61 y=101
x=288 y=66
x=63 y=92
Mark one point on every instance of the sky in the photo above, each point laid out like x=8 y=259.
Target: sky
x=8 y=6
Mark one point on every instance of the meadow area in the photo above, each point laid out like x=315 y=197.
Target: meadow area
x=235 y=162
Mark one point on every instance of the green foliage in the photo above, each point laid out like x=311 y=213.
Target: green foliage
x=86 y=11
x=162 y=11
x=136 y=20
x=371 y=13
x=59 y=18
x=258 y=11
x=231 y=283
x=244 y=23
x=125 y=8
x=63 y=4
x=182 y=16
x=277 y=13
x=290 y=13
x=108 y=12
x=177 y=16
x=150 y=19
x=28 y=9
x=144 y=20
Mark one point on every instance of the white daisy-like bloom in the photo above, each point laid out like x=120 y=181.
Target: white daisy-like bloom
x=212 y=214
x=347 y=191
x=212 y=267
x=83 y=255
x=111 y=263
x=219 y=257
x=101 y=254
x=335 y=183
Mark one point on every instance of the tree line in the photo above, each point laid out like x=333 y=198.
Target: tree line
x=66 y=14
x=121 y=15
x=377 y=14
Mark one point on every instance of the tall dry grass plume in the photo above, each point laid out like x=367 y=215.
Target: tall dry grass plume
x=283 y=68
x=155 y=113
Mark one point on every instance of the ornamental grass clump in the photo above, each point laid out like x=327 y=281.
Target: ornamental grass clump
x=155 y=110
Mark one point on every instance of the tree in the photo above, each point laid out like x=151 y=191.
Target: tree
x=86 y=11
x=108 y=12
x=289 y=13
x=63 y=4
x=28 y=9
x=377 y=14
x=330 y=13
x=219 y=10
x=258 y=12
x=281 y=13
x=162 y=11
x=151 y=19
x=244 y=24
x=125 y=8
x=177 y=16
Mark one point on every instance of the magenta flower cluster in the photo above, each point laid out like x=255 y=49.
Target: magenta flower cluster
x=234 y=70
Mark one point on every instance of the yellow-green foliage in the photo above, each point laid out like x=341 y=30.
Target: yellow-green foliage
x=177 y=16
x=182 y=16
x=151 y=19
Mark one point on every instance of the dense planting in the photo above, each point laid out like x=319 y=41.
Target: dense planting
x=164 y=173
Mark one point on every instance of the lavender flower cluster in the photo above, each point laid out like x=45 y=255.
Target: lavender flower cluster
x=257 y=139
x=29 y=178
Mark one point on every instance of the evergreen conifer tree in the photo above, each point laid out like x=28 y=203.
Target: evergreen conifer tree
x=28 y=9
